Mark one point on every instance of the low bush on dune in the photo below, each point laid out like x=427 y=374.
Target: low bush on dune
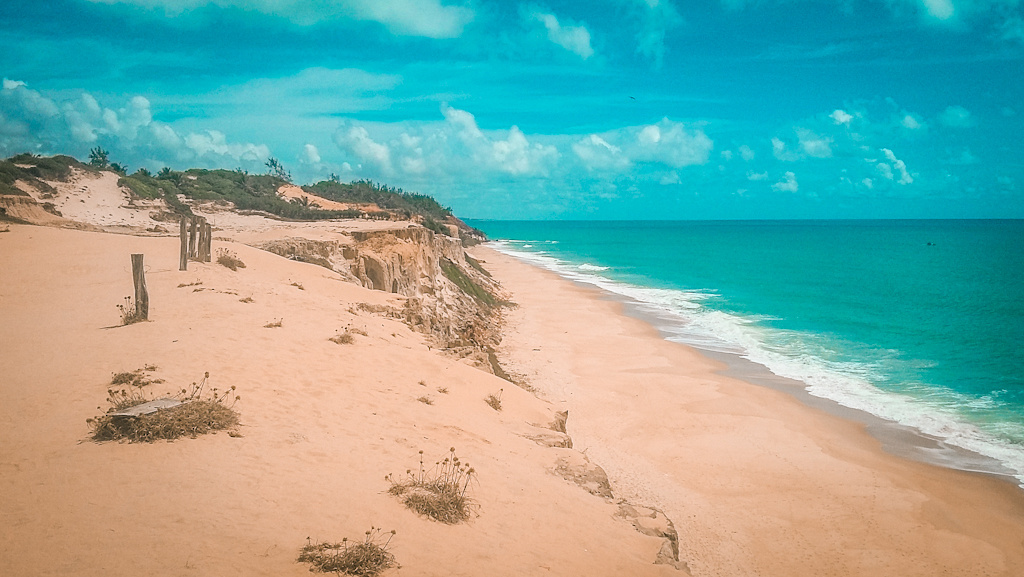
x=366 y=559
x=440 y=493
x=198 y=413
x=229 y=259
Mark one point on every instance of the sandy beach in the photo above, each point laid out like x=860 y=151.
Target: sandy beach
x=754 y=482
x=757 y=483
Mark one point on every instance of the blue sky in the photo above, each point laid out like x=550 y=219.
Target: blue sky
x=604 y=109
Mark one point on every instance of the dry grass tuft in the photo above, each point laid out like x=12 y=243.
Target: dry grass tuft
x=426 y=400
x=366 y=559
x=136 y=378
x=196 y=283
x=246 y=300
x=229 y=259
x=274 y=325
x=443 y=390
x=494 y=401
x=439 y=494
x=299 y=286
x=195 y=416
x=356 y=331
x=344 y=338
x=129 y=313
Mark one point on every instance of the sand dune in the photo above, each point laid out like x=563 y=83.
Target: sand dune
x=322 y=424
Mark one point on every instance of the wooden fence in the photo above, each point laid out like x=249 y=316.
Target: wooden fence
x=196 y=237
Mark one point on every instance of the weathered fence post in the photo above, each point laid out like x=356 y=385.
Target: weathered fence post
x=141 y=293
x=192 y=237
x=183 y=256
x=207 y=256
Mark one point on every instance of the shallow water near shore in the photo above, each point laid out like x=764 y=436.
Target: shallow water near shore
x=914 y=322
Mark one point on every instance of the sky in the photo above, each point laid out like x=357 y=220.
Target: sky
x=606 y=109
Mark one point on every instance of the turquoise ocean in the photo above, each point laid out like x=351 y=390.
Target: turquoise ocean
x=917 y=322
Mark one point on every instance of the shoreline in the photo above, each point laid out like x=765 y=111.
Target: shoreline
x=756 y=481
x=897 y=438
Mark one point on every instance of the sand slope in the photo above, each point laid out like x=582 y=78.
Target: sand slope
x=322 y=424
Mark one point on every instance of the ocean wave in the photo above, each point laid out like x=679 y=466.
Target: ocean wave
x=592 y=267
x=684 y=318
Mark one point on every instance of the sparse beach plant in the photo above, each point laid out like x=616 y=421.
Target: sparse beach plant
x=366 y=559
x=426 y=400
x=246 y=300
x=274 y=325
x=129 y=312
x=229 y=259
x=439 y=493
x=357 y=331
x=494 y=401
x=195 y=415
x=344 y=338
x=299 y=286
x=443 y=390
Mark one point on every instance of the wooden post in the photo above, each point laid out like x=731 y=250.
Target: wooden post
x=192 y=237
x=183 y=256
x=141 y=294
x=209 y=243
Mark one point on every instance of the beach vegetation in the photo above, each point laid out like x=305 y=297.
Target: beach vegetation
x=438 y=493
x=35 y=170
x=201 y=410
x=476 y=265
x=276 y=169
x=274 y=325
x=363 y=559
x=455 y=274
x=99 y=158
x=344 y=338
x=443 y=390
x=130 y=313
x=229 y=259
x=494 y=401
x=426 y=400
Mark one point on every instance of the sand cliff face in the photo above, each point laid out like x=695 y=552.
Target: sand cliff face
x=412 y=262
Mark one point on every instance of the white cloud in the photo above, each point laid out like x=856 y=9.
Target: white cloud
x=575 y=39
x=841 y=117
x=656 y=18
x=310 y=154
x=956 y=117
x=751 y=175
x=726 y=155
x=213 y=143
x=940 y=9
x=868 y=183
x=597 y=154
x=910 y=122
x=813 y=144
x=905 y=177
x=746 y=153
x=788 y=184
x=357 y=140
x=780 y=151
x=671 y=177
x=673 y=144
x=429 y=18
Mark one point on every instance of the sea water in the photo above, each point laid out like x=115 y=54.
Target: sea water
x=917 y=322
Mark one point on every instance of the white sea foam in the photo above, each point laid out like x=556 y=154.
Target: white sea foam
x=592 y=267
x=681 y=315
